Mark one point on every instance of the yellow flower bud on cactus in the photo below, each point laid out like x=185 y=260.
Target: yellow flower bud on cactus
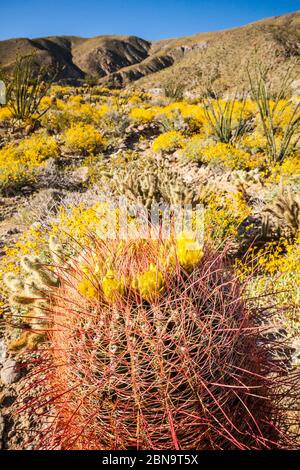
x=87 y=288
x=150 y=284
x=112 y=287
x=189 y=251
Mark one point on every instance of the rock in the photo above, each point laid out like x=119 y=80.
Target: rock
x=2 y=427
x=10 y=373
x=2 y=351
x=81 y=175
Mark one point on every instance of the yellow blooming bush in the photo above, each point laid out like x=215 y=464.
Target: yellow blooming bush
x=229 y=156
x=277 y=271
x=253 y=143
x=84 y=139
x=21 y=164
x=283 y=113
x=142 y=115
x=223 y=215
x=289 y=169
x=5 y=114
x=168 y=141
x=38 y=147
x=193 y=148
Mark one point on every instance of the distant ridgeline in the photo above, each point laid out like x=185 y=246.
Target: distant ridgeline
x=217 y=57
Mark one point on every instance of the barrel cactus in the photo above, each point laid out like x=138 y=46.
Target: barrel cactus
x=151 y=350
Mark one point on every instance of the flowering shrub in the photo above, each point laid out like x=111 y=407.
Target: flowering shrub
x=193 y=148
x=38 y=147
x=142 y=115
x=277 y=269
x=5 y=114
x=168 y=141
x=289 y=169
x=229 y=156
x=21 y=164
x=83 y=138
x=253 y=143
x=223 y=215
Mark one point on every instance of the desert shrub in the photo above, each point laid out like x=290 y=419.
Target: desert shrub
x=230 y=157
x=56 y=120
x=21 y=165
x=83 y=138
x=174 y=91
x=253 y=143
x=14 y=171
x=168 y=141
x=289 y=170
x=85 y=112
x=142 y=115
x=193 y=149
x=223 y=215
x=277 y=268
x=38 y=147
x=149 y=325
x=5 y=114
x=173 y=121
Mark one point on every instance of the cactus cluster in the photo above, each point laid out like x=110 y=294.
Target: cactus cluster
x=285 y=209
x=244 y=180
x=150 y=182
x=30 y=293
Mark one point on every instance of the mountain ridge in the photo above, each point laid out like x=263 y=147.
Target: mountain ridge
x=119 y=60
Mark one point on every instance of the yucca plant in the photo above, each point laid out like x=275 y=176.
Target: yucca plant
x=270 y=107
x=220 y=116
x=26 y=87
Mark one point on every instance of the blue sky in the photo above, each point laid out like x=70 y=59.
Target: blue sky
x=148 y=19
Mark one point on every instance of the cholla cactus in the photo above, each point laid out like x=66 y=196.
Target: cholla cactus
x=163 y=354
x=139 y=188
x=244 y=180
x=286 y=210
x=151 y=182
x=175 y=190
x=32 y=291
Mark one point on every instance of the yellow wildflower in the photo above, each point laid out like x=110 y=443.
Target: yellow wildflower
x=189 y=251
x=87 y=288
x=111 y=286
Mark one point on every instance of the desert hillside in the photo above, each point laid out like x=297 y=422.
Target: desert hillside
x=218 y=57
